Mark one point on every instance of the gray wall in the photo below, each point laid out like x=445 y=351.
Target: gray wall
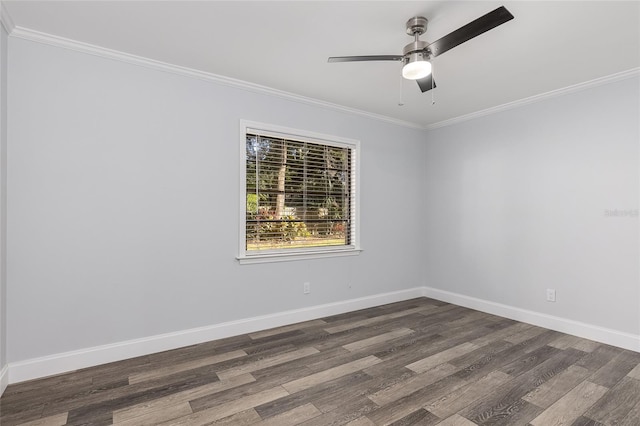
x=123 y=195
x=517 y=202
x=3 y=196
x=123 y=204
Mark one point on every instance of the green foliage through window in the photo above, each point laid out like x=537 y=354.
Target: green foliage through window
x=299 y=194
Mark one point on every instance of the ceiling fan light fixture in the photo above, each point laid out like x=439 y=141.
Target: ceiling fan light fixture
x=417 y=67
x=416 y=56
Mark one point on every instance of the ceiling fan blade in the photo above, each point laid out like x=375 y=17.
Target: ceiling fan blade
x=365 y=58
x=471 y=30
x=426 y=83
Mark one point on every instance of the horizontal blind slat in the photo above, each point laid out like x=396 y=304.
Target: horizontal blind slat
x=304 y=193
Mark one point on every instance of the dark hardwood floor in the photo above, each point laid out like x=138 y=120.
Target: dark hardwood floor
x=418 y=362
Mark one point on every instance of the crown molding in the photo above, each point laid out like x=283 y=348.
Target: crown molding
x=5 y=19
x=65 y=43
x=633 y=72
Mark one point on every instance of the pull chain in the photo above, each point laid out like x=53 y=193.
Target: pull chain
x=433 y=96
x=400 y=101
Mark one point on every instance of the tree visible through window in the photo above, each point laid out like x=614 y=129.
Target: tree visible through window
x=299 y=194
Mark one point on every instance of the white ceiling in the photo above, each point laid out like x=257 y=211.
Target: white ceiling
x=284 y=45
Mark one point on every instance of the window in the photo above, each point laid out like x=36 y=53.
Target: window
x=299 y=195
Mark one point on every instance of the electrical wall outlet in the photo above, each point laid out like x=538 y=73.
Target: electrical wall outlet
x=306 y=288
x=551 y=295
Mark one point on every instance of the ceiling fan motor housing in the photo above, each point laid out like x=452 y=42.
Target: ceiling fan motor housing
x=419 y=47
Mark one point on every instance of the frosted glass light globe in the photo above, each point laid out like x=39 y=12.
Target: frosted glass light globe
x=416 y=69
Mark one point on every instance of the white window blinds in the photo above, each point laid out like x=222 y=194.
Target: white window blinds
x=300 y=193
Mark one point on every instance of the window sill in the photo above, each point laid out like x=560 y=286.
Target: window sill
x=287 y=257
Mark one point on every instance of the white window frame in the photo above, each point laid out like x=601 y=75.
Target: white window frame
x=245 y=257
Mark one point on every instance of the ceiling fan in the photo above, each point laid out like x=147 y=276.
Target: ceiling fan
x=416 y=56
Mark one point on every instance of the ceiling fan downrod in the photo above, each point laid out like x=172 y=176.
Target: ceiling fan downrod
x=417 y=26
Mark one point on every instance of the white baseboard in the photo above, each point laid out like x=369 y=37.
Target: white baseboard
x=69 y=361
x=74 y=360
x=576 y=328
x=4 y=378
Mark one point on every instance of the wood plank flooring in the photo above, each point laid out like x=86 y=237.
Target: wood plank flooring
x=418 y=362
